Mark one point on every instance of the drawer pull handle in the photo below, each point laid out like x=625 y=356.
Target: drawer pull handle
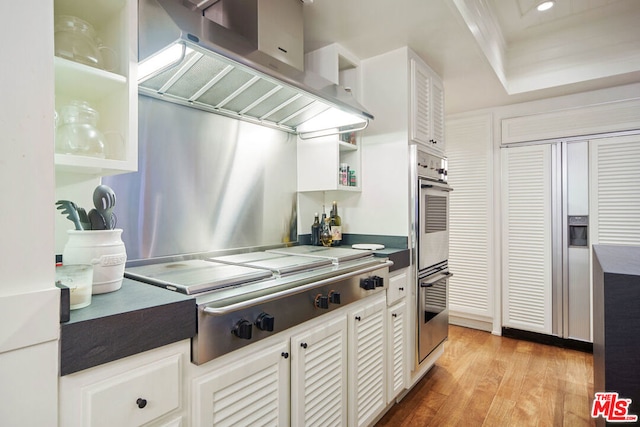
x=141 y=403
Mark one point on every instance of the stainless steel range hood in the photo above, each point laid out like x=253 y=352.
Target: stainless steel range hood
x=210 y=55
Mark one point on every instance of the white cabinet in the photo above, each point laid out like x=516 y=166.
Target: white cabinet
x=110 y=90
x=367 y=379
x=427 y=107
x=252 y=390
x=398 y=286
x=397 y=350
x=320 y=159
x=131 y=392
x=319 y=375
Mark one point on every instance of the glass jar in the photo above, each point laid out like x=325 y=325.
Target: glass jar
x=76 y=40
x=77 y=132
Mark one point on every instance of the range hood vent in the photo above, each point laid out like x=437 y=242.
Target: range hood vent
x=189 y=59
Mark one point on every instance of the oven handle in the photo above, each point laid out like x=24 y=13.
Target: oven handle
x=216 y=311
x=441 y=187
x=433 y=280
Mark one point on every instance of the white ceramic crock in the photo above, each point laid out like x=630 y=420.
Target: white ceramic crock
x=103 y=249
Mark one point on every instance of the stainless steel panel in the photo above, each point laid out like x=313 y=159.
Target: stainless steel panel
x=195 y=276
x=579 y=304
x=433 y=224
x=336 y=255
x=433 y=313
x=276 y=263
x=577 y=178
x=214 y=338
x=205 y=182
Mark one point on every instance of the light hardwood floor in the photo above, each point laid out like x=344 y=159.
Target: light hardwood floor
x=486 y=380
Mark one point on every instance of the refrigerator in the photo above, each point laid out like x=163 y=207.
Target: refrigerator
x=571 y=278
x=545 y=239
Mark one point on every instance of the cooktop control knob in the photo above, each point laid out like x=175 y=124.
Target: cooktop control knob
x=367 y=283
x=321 y=301
x=242 y=329
x=334 y=297
x=378 y=281
x=264 y=322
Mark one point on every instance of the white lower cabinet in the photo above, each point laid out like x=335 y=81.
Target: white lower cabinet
x=397 y=350
x=340 y=369
x=367 y=380
x=253 y=390
x=139 y=390
x=319 y=375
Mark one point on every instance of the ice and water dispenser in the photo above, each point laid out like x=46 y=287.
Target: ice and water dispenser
x=578 y=230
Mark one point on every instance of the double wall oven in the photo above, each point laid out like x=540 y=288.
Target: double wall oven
x=431 y=199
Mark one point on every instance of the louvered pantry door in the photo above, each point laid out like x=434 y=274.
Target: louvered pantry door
x=614 y=212
x=319 y=375
x=526 y=238
x=254 y=391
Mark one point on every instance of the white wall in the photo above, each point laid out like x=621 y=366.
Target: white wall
x=29 y=313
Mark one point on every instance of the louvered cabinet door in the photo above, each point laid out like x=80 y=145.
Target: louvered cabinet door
x=250 y=392
x=319 y=375
x=420 y=105
x=526 y=246
x=615 y=190
x=367 y=382
x=397 y=351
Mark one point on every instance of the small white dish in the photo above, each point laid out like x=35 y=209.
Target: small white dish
x=368 y=246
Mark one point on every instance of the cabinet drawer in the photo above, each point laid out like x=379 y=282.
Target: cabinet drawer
x=134 y=397
x=398 y=287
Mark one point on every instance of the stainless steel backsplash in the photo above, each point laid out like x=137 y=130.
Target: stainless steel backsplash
x=205 y=183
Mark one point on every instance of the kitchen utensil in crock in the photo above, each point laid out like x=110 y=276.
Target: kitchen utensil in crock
x=77 y=132
x=104 y=199
x=97 y=220
x=71 y=210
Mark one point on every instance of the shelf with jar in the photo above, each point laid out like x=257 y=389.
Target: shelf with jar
x=95 y=65
x=327 y=164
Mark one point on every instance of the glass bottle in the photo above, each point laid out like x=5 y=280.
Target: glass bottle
x=315 y=231
x=325 y=233
x=336 y=225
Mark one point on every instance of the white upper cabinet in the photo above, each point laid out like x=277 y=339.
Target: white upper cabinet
x=95 y=64
x=332 y=162
x=427 y=107
x=407 y=99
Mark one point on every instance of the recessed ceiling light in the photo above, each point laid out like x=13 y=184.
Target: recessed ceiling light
x=545 y=5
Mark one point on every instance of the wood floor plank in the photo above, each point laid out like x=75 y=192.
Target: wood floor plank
x=485 y=380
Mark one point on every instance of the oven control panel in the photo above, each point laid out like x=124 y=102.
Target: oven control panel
x=220 y=334
x=431 y=166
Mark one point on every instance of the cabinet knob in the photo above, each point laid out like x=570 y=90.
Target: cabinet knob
x=394 y=315
x=285 y=354
x=303 y=344
x=401 y=289
x=358 y=318
x=141 y=402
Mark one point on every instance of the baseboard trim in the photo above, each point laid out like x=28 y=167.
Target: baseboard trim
x=571 y=344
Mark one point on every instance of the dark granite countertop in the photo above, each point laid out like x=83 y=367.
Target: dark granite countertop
x=618 y=259
x=136 y=318
x=140 y=317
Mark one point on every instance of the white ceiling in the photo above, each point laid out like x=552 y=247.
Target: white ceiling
x=492 y=52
